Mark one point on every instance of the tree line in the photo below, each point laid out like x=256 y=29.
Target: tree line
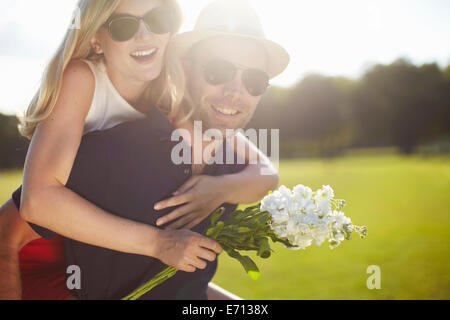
x=13 y=147
x=400 y=104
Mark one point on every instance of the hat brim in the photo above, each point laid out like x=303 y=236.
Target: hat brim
x=278 y=56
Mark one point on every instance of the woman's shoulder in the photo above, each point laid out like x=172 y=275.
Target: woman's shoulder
x=80 y=69
x=78 y=86
x=78 y=73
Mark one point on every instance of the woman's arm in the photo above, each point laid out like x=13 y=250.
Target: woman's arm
x=45 y=199
x=48 y=203
x=15 y=233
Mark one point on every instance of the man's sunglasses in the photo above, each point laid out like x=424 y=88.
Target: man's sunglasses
x=160 y=20
x=220 y=71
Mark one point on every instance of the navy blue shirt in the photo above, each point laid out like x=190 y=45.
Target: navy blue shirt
x=125 y=171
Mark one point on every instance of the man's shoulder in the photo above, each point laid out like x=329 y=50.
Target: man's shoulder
x=133 y=133
x=147 y=130
x=128 y=128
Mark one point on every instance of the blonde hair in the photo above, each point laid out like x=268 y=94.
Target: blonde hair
x=166 y=91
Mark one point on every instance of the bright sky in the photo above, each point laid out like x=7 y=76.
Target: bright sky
x=328 y=36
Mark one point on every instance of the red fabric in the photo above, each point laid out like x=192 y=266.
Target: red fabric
x=43 y=270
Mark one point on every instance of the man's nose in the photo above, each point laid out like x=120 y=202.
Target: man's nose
x=235 y=87
x=144 y=31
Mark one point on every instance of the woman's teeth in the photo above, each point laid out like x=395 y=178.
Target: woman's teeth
x=227 y=112
x=143 y=53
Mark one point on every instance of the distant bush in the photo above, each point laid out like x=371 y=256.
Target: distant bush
x=400 y=105
x=13 y=147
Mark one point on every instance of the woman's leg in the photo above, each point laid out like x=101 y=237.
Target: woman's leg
x=15 y=233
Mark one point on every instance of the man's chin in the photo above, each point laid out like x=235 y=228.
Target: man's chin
x=227 y=124
x=225 y=127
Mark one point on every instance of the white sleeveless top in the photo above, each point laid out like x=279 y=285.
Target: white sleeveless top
x=108 y=108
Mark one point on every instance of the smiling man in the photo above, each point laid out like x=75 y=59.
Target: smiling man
x=226 y=77
x=128 y=169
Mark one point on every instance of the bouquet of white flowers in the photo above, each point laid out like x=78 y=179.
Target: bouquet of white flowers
x=296 y=218
x=303 y=217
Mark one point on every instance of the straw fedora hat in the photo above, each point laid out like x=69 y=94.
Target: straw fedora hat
x=231 y=18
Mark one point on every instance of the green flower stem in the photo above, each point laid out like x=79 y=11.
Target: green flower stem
x=156 y=280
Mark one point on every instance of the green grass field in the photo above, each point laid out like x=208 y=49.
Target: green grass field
x=404 y=202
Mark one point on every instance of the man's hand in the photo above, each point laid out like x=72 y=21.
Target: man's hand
x=186 y=250
x=199 y=197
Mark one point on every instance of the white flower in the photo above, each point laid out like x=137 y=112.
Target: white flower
x=272 y=204
x=284 y=192
x=302 y=192
x=302 y=217
x=309 y=207
x=324 y=207
x=333 y=243
x=300 y=241
x=324 y=194
x=292 y=227
x=279 y=201
x=320 y=234
x=280 y=217
x=340 y=219
x=280 y=230
x=310 y=218
x=339 y=236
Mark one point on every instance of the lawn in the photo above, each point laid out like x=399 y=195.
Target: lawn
x=404 y=202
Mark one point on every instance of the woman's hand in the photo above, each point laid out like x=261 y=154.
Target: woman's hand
x=198 y=197
x=186 y=250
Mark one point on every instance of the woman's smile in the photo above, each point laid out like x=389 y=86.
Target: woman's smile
x=145 y=55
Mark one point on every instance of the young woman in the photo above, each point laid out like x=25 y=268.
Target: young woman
x=113 y=69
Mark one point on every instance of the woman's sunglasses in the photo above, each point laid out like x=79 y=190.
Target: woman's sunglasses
x=160 y=20
x=220 y=71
